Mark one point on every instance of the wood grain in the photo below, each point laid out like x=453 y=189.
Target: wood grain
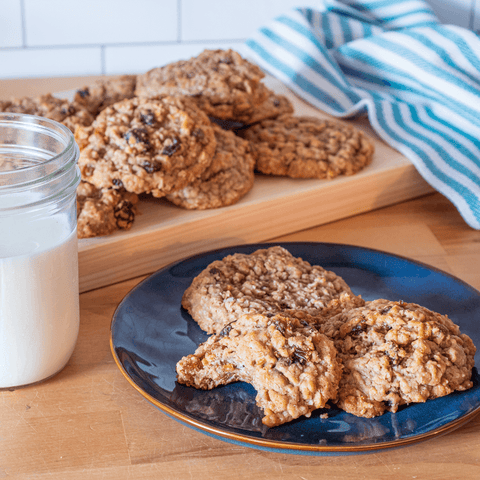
x=163 y=233
x=87 y=422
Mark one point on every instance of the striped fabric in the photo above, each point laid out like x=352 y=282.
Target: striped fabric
x=418 y=81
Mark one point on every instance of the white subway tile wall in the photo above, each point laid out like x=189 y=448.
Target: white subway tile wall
x=223 y=19
x=11 y=24
x=43 y=38
x=144 y=57
x=50 y=62
x=99 y=22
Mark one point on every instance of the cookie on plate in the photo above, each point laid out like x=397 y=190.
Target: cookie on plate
x=103 y=211
x=146 y=145
x=63 y=111
x=221 y=82
x=104 y=93
x=308 y=147
x=291 y=365
x=267 y=281
x=229 y=177
x=397 y=353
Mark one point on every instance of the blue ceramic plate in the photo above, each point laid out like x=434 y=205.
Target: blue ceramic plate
x=150 y=332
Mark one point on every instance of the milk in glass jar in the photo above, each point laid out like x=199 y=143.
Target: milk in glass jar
x=39 y=296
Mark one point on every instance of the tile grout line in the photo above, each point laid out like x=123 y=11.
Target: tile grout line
x=126 y=45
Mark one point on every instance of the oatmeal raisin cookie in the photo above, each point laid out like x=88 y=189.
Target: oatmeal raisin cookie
x=308 y=147
x=221 y=82
x=68 y=113
x=291 y=365
x=146 y=145
x=397 y=353
x=103 y=211
x=274 y=106
x=104 y=93
x=266 y=281
x=229 y=177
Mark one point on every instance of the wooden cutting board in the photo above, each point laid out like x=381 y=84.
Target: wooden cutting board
x=163 y=233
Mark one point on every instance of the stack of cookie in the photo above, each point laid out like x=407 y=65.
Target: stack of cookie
x=164 y=139
x=193 y=132
x=299 y=335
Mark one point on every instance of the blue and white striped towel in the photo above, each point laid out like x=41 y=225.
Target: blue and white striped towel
x=418 y=81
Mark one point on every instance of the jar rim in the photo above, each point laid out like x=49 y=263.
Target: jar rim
x=41 y=156
x=37 y=172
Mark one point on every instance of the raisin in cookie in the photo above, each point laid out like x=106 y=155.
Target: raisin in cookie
x=102 y=211
x=146 y=145
x=68 y=113
x=396 y=353
x=229 y=177
x=291 y=365
x=308 y=147
x=266 y=281
x=221 y=82
x=104 y=93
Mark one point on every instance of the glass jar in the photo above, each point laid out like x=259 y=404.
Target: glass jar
x=39 y=293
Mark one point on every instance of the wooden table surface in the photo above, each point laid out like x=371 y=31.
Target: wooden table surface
x=87 y=422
